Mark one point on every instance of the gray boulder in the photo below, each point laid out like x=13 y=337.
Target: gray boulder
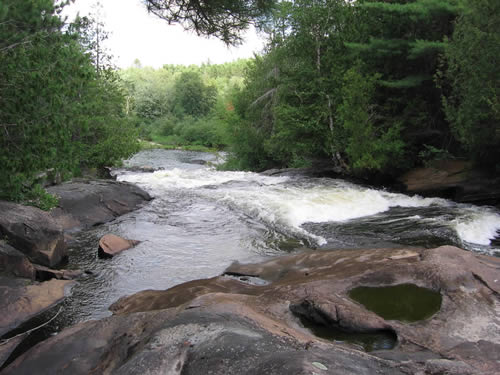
x=85 y=203
x=33 y=232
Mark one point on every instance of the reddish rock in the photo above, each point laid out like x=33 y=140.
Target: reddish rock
x=453 y=179
x=110 y=245
x=22 y=300
x=225 y=325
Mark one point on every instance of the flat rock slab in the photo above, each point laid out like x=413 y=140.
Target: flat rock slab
x=224 y=325
x=194 y=342
x=33 y=232
x=111 y=244
x=23 y=300
x=85 y=203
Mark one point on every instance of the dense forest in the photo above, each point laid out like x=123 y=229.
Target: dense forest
x=61 y=109
x=375 y=87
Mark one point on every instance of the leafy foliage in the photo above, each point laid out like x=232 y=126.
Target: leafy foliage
x=369 y=146
x=57 y=111
x=472 y=102
x=183 y=105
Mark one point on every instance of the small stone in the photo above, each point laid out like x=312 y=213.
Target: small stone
x=110 y=245
x=320 y=366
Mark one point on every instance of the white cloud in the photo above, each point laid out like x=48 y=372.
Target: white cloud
x=137 y=34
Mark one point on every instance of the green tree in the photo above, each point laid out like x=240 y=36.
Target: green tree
x=472 y=102
x=56 y=111
x=293 y=91
x=401 y=41
x=224 y=19
x=192 y=96
x=371 y=144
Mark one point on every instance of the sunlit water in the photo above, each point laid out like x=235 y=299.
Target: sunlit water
x=202 y=219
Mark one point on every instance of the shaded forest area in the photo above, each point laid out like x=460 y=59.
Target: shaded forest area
x=375 y=87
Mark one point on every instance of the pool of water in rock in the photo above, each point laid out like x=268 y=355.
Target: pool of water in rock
x=369 y=341
x=404 y=302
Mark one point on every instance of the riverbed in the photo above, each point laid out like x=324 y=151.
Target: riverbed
x=201 y=220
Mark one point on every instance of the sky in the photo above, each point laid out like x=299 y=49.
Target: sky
x=135 y=34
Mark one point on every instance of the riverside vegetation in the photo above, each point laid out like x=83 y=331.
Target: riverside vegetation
x=376 y=87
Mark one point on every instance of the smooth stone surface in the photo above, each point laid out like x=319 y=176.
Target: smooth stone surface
x=33 y=232
x=85 y=203
x=22 y=300
x=224 y=326
x=111 y=244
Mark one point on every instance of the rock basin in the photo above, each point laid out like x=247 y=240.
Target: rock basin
x=223 y=325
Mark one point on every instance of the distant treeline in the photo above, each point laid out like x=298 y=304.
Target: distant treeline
x=180 y=105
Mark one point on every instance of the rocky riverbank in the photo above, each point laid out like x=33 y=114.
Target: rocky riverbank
x=33 y=243
x=260 y=319
x=457 y=180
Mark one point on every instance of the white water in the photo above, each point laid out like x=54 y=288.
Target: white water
x=286 y=204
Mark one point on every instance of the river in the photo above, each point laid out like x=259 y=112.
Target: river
x=202 y=220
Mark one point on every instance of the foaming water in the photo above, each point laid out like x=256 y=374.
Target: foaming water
x=306 y=208
x=202 y=220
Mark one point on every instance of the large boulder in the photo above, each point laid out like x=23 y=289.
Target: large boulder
x=33 y=232
x=23 y=300
x=453 y=179
x=85 y=203
x=250 y=322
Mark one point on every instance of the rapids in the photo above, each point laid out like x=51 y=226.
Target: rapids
x=202 y=220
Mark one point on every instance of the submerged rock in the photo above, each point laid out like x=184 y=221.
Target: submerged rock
x=110 y=245
x=86 y=203
x=33 y=232
x=224 y=326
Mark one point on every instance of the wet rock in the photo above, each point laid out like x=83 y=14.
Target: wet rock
x=222 y=325
x=85 y=203
x=33 y=232
x=45 y=273
x=7 y=347
x=195 y=341
x=23 y=300
x=143 y=168
x=316 y=285
x=454 y=179
x=110 y=245
x=15 y=263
